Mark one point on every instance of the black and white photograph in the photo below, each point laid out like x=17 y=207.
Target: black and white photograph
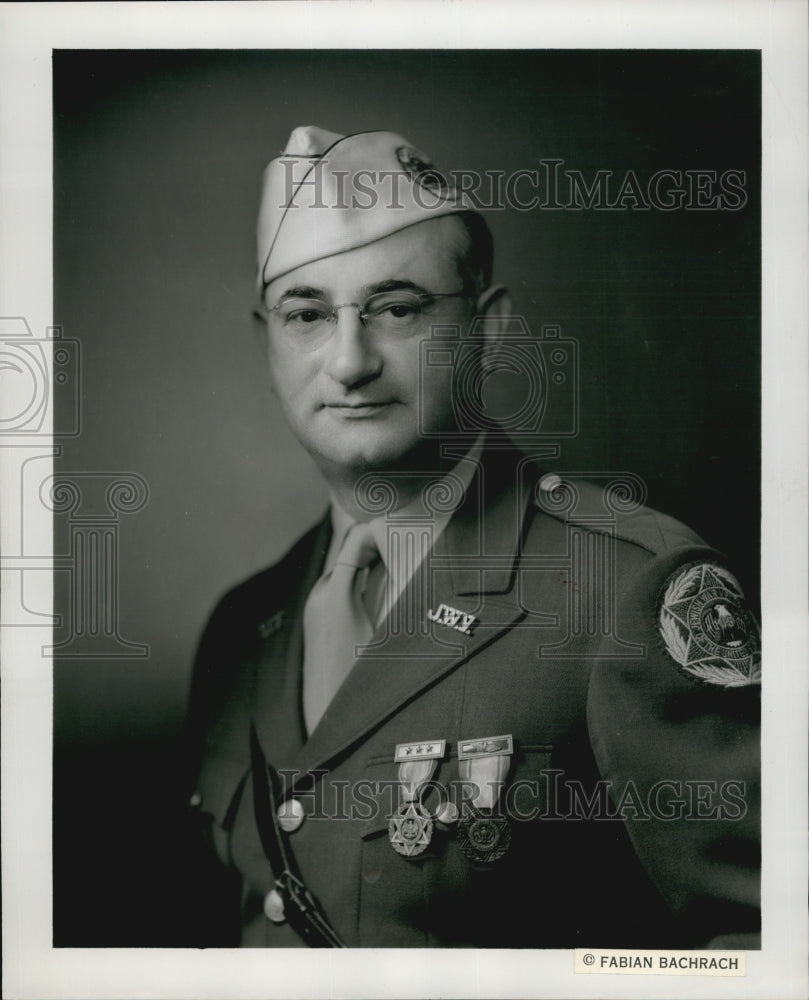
x=394 y=537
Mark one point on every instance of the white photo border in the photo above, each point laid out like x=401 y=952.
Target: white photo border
x=29 y=33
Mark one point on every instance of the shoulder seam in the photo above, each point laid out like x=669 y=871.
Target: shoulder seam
x=665 y=546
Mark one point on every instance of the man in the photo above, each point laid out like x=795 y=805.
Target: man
x=478 y=705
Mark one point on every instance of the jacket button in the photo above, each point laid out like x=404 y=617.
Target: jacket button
x=290 y=815
x=274 y=907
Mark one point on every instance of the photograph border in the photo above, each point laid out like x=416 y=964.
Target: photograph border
x=32 y=967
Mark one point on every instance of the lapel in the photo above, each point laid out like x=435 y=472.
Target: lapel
x=277 y=701
x=474 y=560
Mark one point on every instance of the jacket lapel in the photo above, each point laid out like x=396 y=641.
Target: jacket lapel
x=277 y=700
x=474 y=560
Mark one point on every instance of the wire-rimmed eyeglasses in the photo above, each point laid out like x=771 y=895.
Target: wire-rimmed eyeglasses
x=307 y=323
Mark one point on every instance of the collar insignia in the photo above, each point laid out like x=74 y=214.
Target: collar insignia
x=453 y=618
x=272 y=625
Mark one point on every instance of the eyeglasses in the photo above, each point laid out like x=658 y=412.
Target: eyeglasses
x=308 y=323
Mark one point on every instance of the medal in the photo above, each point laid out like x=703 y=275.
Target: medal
x=484 y=835
x=410 y=829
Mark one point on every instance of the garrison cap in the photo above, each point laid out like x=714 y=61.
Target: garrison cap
x=328 y=193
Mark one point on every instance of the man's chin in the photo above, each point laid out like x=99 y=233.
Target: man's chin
x=366 y=454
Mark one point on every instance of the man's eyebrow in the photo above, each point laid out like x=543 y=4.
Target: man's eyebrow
x=388 y=285
x=302 y=292
x=395 y=285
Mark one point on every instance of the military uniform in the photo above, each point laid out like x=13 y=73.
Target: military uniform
x=607 y=645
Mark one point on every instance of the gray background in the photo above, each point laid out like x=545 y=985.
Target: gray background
x=158 y=157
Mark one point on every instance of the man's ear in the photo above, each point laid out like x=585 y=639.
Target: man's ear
x=259 y=323
x=492 y=314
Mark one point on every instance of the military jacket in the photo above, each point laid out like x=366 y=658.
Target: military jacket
x=611 y=647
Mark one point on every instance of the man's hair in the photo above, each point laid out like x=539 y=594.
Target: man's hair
x=475 y=252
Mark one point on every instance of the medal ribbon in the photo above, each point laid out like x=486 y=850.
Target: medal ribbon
x=488 y=774
x=413 y=776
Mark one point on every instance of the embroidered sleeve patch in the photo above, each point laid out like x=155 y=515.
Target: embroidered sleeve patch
x=707 y=629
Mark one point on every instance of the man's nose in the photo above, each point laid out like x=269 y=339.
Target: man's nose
x=352 y=356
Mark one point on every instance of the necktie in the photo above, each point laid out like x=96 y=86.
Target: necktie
x=336 y=621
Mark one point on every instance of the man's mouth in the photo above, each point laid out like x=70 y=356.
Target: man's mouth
x=361 y=408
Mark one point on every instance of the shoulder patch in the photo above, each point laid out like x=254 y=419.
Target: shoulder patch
x=707 y=629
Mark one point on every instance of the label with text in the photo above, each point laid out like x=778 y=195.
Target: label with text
x=662 y=963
